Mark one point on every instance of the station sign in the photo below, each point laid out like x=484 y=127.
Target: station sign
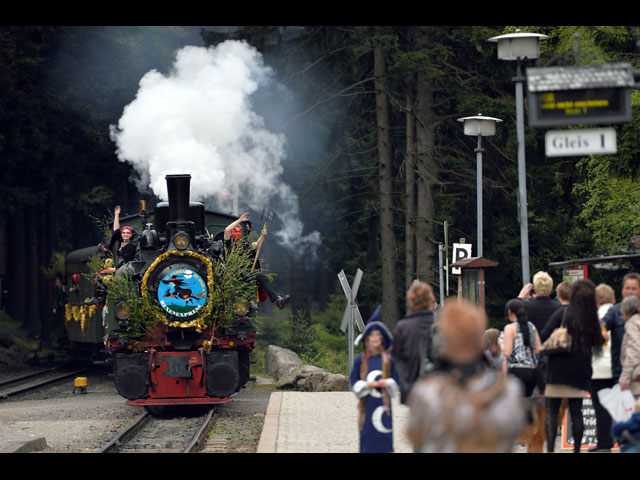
x=579 y=95
x=460 y=252
x=584 y=141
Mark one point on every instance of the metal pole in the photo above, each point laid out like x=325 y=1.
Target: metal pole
x=446 y=252
x=441 y=273
x=479 y=151
x=522 y=185
x=350 y=336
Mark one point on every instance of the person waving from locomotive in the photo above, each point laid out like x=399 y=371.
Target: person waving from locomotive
x=127 y=237
x=233 y=233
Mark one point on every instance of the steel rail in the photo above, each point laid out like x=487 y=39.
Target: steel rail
x=125 y=433
x=198 y=439
x=42 y=383
x=9 y=381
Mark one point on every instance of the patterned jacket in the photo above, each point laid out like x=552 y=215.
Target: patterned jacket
x=630 y=353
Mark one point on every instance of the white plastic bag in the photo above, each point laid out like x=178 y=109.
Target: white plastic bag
x=619 y=403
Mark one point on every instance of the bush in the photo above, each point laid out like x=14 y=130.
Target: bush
x=315 y=336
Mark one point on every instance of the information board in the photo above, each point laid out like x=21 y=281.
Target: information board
x=590 y=435
x=573 y=107
x=580 y=95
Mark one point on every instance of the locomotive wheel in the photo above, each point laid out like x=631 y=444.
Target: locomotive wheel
x=131 y=382
x=223 y=377
x=157 y=410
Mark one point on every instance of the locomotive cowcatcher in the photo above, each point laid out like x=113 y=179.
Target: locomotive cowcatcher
x=176 y=339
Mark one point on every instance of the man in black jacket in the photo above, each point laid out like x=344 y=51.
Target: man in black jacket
x=412 y=332
x=538 y=302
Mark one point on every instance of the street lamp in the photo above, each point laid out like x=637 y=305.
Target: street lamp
x=479 y=126
x=518 y=46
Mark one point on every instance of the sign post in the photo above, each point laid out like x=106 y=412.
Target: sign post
x=351 y=312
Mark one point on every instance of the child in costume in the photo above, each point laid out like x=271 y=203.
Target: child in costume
x=374 y=379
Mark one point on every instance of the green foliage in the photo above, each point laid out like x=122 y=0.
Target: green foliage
x=56 y=267
x=121 y=289
x=234 y=283
x=301 y=335
x=611 y=210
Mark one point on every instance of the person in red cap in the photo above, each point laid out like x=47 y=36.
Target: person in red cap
x=127 y=237
x=234 y=231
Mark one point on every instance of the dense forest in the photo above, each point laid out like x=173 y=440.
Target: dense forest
x=364 y=161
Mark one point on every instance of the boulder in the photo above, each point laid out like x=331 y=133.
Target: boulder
x=278 y=360
x=291 y=374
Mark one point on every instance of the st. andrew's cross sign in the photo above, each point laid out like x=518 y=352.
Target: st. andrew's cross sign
x=351 y=312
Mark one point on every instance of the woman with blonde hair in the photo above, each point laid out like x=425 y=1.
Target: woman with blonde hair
x=537 y=298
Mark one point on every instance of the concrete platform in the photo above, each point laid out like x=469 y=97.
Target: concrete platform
x=327 y=422
x=321 y=422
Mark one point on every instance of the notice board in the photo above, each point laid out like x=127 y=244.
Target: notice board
x=589 y=435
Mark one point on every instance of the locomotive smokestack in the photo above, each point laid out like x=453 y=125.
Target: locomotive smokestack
x=178 y=189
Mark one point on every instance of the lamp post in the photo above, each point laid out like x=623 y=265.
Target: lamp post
x=479 y=126
x=518 y=46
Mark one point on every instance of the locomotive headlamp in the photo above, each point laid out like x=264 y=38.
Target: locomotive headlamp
x=241 y=307
x=181 y=240
x=123 y=311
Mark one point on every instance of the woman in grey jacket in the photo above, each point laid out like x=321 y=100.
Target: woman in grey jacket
x=630 y=350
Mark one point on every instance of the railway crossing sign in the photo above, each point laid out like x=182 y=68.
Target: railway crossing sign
x=351 y=312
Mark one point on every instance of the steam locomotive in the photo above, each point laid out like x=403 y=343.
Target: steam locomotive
x=176 y=334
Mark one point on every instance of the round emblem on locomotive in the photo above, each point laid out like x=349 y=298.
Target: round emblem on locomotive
x=182 y=292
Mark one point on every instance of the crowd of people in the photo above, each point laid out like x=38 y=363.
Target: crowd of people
x=470 y=388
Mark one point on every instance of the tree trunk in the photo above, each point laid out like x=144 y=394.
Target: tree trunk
x=16 y=279
x=389 y=312
x=410 y=185
x=427 y=172
x=34 y=274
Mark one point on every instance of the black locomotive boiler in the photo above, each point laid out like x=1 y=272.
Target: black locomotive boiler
x=178 y=336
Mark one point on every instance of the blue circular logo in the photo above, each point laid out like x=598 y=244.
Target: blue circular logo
x=182 y=292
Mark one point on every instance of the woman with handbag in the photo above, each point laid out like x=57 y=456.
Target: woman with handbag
x=569 y=363
x=521 y=344
x=630 y=350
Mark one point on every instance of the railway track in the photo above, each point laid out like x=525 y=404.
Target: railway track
x=148 y=434
x=34 y=380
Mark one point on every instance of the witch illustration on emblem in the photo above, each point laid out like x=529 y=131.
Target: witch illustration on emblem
x=182 y=292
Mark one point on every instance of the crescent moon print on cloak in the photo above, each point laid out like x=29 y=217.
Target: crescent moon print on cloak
x=377 y=420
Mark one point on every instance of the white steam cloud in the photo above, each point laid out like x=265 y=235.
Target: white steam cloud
x=198 y=120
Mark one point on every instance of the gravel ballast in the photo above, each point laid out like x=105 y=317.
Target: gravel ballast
x=83 y=422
